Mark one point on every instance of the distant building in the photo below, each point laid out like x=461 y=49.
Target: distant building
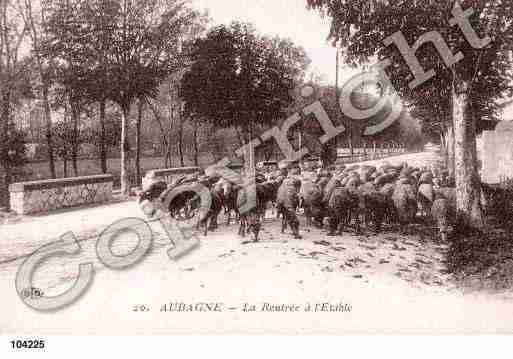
x=494 y=147
x=507 y=110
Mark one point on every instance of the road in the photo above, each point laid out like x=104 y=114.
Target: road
x=386 y=283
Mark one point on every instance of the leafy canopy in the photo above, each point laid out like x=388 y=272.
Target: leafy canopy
x=240 y=78
x=360 y=26
x=119 y=49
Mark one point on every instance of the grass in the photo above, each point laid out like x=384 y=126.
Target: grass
x=87 y=167
x=482 y=261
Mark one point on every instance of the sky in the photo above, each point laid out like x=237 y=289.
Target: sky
x=288 y=19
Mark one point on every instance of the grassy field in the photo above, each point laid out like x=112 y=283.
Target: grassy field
x=86 y=167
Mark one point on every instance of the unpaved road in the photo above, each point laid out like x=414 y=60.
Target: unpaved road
x=387 y=283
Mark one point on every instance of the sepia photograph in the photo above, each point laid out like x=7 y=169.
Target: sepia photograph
x=255 y=167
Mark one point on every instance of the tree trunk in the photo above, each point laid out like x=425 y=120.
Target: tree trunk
x=180 y=141
x=196 y=145
x=169 y=150
x=5 y=181
x=75 y=142
x=45 y=82
x=351 y=145
x=268 y=151
x=468 y=194
x=168 y=154
x=167 y=159
x=4 y=186
x=48 y=130
x=239 y=137
x=138 y=142
x=125 y=150
x=103 y=138
x=450 y=140
x=443 y=145
x=65 y=166
x=327 y=154
x=164 y=142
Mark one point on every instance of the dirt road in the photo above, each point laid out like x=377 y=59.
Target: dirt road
x=352 y=283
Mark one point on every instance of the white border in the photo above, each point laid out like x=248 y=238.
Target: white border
x=263 y=347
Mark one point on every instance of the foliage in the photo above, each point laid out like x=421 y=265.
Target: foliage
x=112 y=128
x=240 y=78
x=64 y=137
x=475 y=82
x=481 y=261
x=14 y=85
x=117 y=50
x=405 y=131
x=16 y=141
x=120 y=50
x=360 y=27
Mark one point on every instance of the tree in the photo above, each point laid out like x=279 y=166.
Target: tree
x=476 y=78
x=111 y=125
x=63 y=48
x=98 y=85
x=131 y=45
x=241 y=79
x=433 y=108
x=138 y=123
x=404 y=130
x=16 y=141
x=63 y=135
x=168 y=106
x=145 y=52
x=70 y=97
x=13 y=85
x=78 y=36
x=196 y=127
x=168 y=113
x=35 y=23
x=164 y=132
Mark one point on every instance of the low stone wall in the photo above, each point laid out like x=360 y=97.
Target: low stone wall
x=48 y=195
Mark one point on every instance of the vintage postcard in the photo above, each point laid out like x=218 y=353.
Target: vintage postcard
x=255 y=167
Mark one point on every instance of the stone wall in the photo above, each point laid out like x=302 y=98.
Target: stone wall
x=4 y=192
x=48 y=195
